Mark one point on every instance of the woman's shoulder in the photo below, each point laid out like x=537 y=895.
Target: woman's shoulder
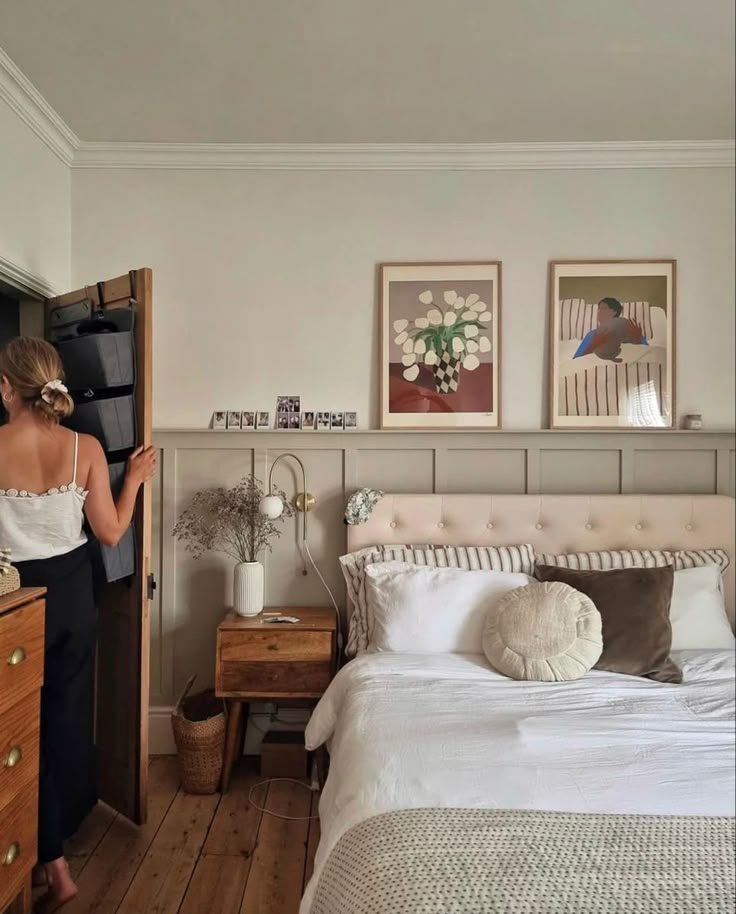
x=89 y=446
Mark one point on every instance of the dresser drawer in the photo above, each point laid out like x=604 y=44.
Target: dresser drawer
x=19 y=747
x=264 y=678
x=21 y=653
x=17 y=842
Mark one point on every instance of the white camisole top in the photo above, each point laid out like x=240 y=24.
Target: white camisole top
x=43 y=526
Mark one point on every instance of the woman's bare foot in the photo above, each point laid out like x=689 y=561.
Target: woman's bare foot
x=62 y=887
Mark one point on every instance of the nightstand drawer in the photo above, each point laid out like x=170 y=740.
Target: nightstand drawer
x=266 y=677
x=274 y=646
x=19 y=739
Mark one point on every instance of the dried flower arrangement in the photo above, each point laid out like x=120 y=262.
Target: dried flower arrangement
x=229 y=521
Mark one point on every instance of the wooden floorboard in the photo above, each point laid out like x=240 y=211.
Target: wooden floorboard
x=163 y=877
x=277 y=870
x=118 y=856
x=83 y=844
x=198 y=854
x=217 y=885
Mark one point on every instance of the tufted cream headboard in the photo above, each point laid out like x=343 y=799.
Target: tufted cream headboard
x=556 y=523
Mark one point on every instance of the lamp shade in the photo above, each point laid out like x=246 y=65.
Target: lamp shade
x=271 y=506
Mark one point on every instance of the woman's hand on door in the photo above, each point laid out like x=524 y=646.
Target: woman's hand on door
x=142 y=465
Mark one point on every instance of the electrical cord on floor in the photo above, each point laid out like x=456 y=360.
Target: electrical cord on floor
x=278 y=815
x=334 y=602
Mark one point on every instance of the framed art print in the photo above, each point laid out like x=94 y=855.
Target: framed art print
x=440 y=353
x=612 y=333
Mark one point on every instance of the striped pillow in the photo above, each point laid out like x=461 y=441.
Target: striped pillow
x=517 y=559
x=696 y=558
x=637 y=558
x=608 y=560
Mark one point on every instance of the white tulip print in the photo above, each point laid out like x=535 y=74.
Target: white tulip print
x=448 y=336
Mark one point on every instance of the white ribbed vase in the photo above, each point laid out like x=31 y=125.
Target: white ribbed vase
x=248 y=588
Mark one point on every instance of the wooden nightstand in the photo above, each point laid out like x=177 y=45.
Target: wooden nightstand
x=271 y=662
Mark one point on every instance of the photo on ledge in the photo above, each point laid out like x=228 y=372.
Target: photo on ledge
x=612 y=360
x=233 y=419
x=219 y=419
x=264 y=420
x=440 y=332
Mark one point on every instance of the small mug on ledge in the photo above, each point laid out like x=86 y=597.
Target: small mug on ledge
x=693 y=422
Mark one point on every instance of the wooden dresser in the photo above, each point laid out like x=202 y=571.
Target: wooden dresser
x=21 y=675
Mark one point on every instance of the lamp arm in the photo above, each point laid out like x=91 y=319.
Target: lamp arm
x=304 y=485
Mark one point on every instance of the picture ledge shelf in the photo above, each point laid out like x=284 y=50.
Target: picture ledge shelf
x=450 y=433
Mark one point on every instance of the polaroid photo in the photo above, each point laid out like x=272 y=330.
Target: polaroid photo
x=309 y=421
x=263 y=419
x=337 y=422
x=323 y=422
x=294 y=421
x=351 y=420
x=248 y=420
x=219 y=419
x=233 y=419
x=288 y=404
x=282 y=421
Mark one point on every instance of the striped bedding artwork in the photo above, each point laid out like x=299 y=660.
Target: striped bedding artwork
x=632 y=389
x=578 y=317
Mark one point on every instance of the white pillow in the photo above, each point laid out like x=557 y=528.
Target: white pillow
x=698 y=611
x=432 y=610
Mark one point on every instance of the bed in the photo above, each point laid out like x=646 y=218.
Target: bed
x=454 y=789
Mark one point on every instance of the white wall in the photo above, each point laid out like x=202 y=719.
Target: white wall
x=35 y=203
x=265 y=281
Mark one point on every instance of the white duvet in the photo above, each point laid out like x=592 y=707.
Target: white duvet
x=444 y=730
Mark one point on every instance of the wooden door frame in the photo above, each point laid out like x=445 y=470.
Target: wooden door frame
x=124 y=786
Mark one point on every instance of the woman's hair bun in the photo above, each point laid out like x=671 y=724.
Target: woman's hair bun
x=33 y=368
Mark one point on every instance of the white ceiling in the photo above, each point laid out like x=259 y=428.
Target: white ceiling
x=379 y=71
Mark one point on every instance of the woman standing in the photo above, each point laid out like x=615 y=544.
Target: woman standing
x=50 y=478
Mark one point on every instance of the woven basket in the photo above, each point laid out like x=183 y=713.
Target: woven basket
x=198 y=723
x=9 y=581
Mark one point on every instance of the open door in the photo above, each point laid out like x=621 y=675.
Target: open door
x=123 y=646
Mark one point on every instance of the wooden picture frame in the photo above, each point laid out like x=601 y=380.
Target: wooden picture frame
x=611 y=337
x=440 y=345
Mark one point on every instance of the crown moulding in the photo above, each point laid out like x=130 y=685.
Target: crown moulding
x=28 y=103
x=411 y=157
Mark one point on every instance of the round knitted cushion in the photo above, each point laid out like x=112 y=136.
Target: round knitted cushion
x=545 y=631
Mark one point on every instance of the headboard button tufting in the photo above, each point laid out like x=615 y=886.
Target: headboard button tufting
x=638 y=527
x=539 y=526
x=589 y=526
x=393 y=524
x=688 y=526
x=440 y=525
x=490 y=526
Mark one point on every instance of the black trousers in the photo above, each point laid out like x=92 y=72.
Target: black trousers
x=67 y=781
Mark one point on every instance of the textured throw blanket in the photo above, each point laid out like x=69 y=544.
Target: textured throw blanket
x=481 y=861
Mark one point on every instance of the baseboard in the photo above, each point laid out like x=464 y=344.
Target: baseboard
x=160 y=735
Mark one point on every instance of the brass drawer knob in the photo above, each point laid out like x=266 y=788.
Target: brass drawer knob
x=18 y=656
x=13 y=757
x=11 y=854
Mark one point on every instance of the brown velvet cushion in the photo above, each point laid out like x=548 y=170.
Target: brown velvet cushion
x=634 y=604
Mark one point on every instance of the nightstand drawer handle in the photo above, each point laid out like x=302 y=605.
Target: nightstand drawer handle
x=13 y=757
x=11 y=854
x=17 y=657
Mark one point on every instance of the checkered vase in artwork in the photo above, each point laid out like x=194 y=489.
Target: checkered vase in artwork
x=447 y=374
